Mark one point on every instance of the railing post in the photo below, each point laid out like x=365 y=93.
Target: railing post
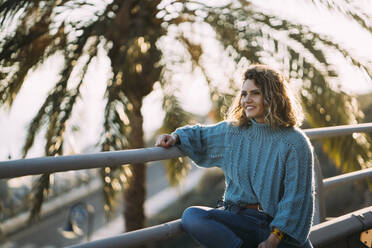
x=320 y=212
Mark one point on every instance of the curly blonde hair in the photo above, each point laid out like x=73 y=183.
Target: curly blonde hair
x=281 y=107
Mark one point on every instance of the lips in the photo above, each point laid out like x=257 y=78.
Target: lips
x=249 y=107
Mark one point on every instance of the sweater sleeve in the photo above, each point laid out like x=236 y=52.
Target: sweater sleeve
x=295 y=209
x=203 y=144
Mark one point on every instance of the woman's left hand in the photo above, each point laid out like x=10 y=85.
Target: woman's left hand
x=271 y=242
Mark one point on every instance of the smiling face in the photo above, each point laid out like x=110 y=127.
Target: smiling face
x=266 y=98
x=252 y=101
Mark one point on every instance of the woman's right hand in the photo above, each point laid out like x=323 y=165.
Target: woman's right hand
x=166 y=140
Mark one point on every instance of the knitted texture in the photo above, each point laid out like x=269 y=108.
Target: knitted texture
x=272 y=166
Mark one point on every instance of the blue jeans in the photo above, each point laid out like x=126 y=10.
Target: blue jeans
x=219 y=228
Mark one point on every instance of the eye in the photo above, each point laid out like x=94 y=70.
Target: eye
x=244 y=93
x=256 y=93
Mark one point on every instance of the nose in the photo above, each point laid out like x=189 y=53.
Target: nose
x=246 y=98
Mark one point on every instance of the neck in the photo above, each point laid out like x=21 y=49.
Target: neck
x=260 y=120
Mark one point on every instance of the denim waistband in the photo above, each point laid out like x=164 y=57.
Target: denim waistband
x=241 y=207
x=232 y=206
x=229 y=205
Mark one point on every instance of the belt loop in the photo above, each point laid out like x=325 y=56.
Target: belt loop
x=259 y=208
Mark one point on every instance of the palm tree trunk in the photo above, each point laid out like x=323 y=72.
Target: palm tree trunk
x=135 y=192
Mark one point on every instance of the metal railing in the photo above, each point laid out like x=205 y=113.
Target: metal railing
x=139 y=237
x=34 y=166
x=321 y=235
x=348 y=225
x=333 y=182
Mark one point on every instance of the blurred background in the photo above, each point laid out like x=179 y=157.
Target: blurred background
x=89 y=76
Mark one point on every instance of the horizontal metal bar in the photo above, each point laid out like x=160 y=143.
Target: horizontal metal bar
x=34 y=166
x=326 y=132
x=136 y=238
x=341 y=227
x=332 y=182
x=321 y=234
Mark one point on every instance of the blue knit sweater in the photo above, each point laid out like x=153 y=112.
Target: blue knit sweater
x=272 y=166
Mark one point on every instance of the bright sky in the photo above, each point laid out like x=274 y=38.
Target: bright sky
x=337 y=26
x=194 y=90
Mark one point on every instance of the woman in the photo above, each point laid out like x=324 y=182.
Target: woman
x=268 y=167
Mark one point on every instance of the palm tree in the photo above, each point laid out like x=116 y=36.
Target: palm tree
x=135 y=36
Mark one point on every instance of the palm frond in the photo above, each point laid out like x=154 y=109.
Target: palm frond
x=350 y=9
x=40 y=192
x=55 y=111
x=116 y=126
x=323 y=107
x=9 y=8
x=175 y=117
x=23 y=51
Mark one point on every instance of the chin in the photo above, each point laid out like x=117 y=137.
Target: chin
x=250 y=115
